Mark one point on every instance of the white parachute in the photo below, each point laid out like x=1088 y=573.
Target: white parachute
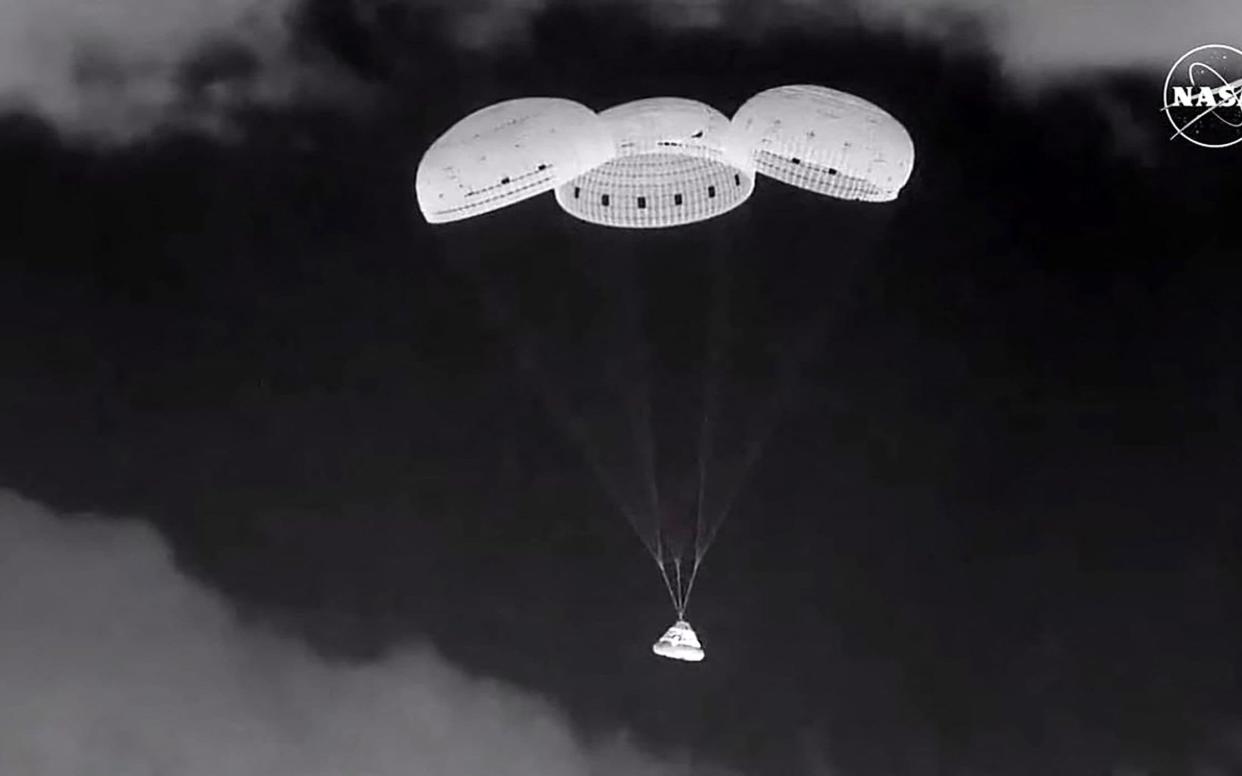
x=507 y=153
x=675 y=164
x=679 y=642
x=826 y=141
x=662 y=161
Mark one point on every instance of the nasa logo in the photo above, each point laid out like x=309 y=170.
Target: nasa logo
x=1203 y=96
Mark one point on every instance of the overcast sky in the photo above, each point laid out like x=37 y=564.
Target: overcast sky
x=335 y=529
x=111 y=66
x=113 y=661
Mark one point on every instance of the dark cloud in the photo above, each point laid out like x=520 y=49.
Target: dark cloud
x=995 y=533
x=1042 y=38
x=115 y=68
x=1035 y=38
x=113 y=661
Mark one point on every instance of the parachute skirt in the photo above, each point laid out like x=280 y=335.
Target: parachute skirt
x=662 y=161
x=679 y=643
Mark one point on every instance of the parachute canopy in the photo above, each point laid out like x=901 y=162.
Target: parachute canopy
x=506 y=153
x=826 y=141
x=662 y=161
x=675 y=163
x=679 y=643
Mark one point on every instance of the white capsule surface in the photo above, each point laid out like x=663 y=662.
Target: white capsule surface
x=679 y=642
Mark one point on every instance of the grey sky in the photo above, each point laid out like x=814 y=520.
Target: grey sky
x=138 y=44
x=1038 y=37
x=114 y=662
x=108 y=66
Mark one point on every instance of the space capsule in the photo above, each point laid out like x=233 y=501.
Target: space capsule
x=679 y=642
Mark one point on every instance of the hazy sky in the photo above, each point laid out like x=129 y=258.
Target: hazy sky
x=111 y=66
x=994 y=532
x=114 y=662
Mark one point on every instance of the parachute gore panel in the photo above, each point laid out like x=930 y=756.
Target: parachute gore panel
x=826 y=141
x=506 y=153
x=675 y=163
